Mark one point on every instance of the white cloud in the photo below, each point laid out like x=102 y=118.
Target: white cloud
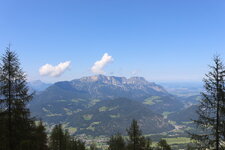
x=100 y=64
x=54 y=71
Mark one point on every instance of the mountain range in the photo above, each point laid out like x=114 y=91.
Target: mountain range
x=103 y=105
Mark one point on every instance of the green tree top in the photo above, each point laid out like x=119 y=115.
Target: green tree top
x=14 y=96
x=211 y=111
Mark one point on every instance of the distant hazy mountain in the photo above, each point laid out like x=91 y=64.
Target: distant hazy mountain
x=112 y=87
x=38 y=85
x=101 y=87
x=183 y=88
x=95 y=103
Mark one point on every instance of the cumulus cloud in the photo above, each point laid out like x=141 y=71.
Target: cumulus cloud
x=100 y=64
x=54 y=71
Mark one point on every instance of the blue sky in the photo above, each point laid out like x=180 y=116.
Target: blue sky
x=161 y=40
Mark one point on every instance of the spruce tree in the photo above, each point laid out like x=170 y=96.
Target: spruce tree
x=76 y=144
x=116 y=142
x=211 y=111
x=61 y=140
x=148 y=143
x=40 y=137
x=3 y=131
x=14 y=97
x=93 y=146
x=162 y=145
x=66 y=140
x=56 y=138
x=80 y=145
x=136 y=140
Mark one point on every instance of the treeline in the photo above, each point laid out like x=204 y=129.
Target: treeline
x=135 y=141
x=61 y=140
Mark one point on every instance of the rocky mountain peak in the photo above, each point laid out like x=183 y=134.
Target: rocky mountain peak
x=114 y=80
x=137 y=80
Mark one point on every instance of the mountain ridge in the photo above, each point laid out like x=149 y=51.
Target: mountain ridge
x=66 y=101
x=101 y=87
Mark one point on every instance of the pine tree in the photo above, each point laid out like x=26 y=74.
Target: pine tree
x=148 y=143
x=61 y=140
x=136 y=140
x=56 y=138
x=40 y=137
x=80 y=145
x=211 y=111
x=93 y=146
x=3 y=131
x=116 y=142
x=13 y=99
x=76 y=144
x=162 y=145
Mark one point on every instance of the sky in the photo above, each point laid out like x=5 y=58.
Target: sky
x=161 y=40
